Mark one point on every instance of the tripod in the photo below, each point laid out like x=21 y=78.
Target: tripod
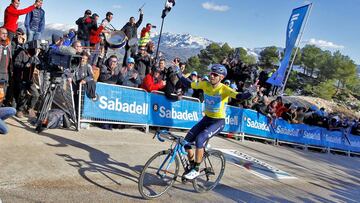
x=57 y=93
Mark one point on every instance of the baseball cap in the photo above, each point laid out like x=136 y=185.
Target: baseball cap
x=227 y=81
x=194 y=73
x=130 y=60
x=233 y=86
x=20 y=31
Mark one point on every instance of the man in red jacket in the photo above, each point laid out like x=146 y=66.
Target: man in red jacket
x=12 y=14
x=149 y=83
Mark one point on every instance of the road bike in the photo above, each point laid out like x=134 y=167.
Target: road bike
x=162 y=169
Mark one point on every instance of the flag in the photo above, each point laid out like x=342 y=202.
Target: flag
x=293 y=29
x=169 y=4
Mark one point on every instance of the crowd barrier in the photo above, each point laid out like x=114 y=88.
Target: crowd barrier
x=119 y=104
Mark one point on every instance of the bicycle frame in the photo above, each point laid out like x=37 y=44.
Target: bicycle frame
x=176 y=151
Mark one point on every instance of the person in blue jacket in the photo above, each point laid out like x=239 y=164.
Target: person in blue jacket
x=35 y=23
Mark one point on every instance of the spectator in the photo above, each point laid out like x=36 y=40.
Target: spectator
x=5 y=112
x=173 y=88
x=227 y=83
x=290 y=115
x=182 y=66
x=189 y=92
x=129 y=76
x=84 y=24
x=5 y=61
x=69 y=38
x=84 y=76
x=130 y=30
x=57 y=42
x=300 y=112
x=77 y=46
x=143 y=63
x=110 y=71
x=12 y=15
x=145 y=35
x=271 y=108
x=152 y=81
x=108 y=18
x=280 y=108
x=162 y=68
x=95 y=39
x=35 y=22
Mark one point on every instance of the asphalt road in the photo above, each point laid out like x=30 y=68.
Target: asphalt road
x=103 y=166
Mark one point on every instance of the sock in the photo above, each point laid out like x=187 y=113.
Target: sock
x=192 y=164
x=197 y=166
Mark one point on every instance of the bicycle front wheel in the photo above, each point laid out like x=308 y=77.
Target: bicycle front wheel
x=155 y=178
x=211 y=171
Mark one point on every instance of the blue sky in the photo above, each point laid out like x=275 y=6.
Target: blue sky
x=333 y=24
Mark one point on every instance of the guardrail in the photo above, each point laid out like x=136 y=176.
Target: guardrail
x=125 y=105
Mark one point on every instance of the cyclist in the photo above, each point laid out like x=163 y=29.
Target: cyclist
x=216 y=96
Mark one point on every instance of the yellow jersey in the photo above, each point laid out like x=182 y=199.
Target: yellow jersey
x=215 y=98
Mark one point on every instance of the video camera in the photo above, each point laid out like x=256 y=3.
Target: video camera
x=37 y=44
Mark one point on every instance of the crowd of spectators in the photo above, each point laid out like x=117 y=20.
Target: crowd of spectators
x=20 y=70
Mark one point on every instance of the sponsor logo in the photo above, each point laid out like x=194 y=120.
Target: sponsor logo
x=312 y=135
x=257 y=125
x=287 y=131
x=232 y=120
x=292 y=22
x=117 y=105
x=179 y=115
x=333 y=139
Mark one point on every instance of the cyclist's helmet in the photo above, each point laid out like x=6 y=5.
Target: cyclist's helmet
x=219 y=69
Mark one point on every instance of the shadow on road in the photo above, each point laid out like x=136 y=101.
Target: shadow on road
x=99 y=162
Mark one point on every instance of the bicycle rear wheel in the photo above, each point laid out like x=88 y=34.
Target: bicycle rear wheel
x=211 y=171
x=155 y=181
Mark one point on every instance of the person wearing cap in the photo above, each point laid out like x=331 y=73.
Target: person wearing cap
x=12 y=14
x=110 y=71
x=152 y=81
x=216 y=95
x=129 y=76
x=84 y=24
x=35 y=22
x=227 y=83
x=144 y=62
x=193 y=78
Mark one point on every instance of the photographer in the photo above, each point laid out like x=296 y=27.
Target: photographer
x=173 y=87
x=110 y=71
x=24 y=67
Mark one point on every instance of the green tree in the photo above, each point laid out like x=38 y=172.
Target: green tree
x=310 y=58
x=246 y=58
x=269 y=56
x=325 y=90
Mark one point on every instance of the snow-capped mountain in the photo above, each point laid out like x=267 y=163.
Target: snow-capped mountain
x=180 y=45
x=182 y=41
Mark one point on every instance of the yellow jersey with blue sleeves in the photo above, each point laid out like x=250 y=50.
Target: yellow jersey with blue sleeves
x=215 y=98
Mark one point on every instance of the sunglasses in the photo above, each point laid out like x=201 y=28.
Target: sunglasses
x=214 y=74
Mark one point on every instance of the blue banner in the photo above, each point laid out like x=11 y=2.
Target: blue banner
x=255 y=123
x=117 y=103
x=311 y=135
x=177 y=114
x=233 y=119
x=334 y=140
x=288 y=132
x=355 y=143
x=292 y=32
